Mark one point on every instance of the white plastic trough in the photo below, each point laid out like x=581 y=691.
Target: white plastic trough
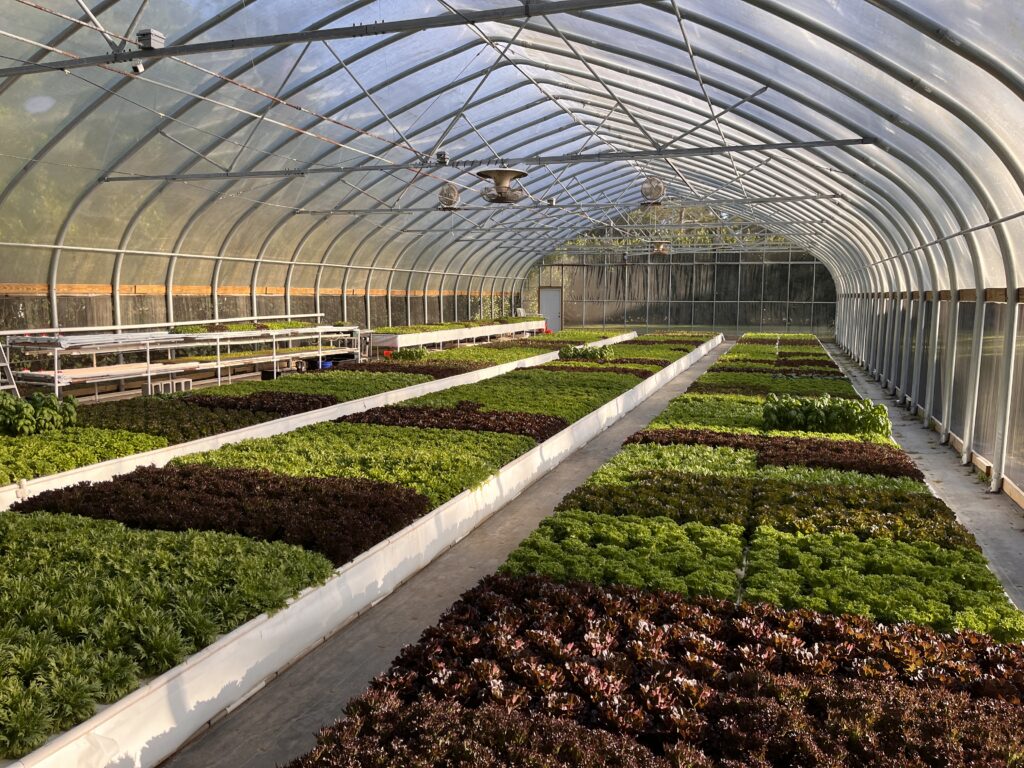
x=449 y=335
x=150 y=724
x=105 y=470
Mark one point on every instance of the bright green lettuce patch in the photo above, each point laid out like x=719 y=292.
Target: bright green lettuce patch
x=656 y=553
x=634 y=460
x=25 y=458
x=704 y=411
x=90 y=608
x=342 y=385
x=668 y=351
x=760 y=383
x=567 y=395
x=891 y=581
x=578 y=335
x=484 y=354
x=439 y=463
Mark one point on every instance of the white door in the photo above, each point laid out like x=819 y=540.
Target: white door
x=551 y=307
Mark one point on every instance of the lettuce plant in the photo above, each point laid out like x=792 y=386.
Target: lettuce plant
x=892 y=581
x=692 y=559
x=90 y=608
x=25 y=458
x=438 y=463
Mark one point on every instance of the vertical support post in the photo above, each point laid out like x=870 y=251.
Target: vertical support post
x=391 y=280
x=950 y=366
x=366 y=301
x=974 y=375
x=344 y=296
x=933 y=356
x=668 y=295
x=215 y=289
x=604 y=294
x=1009 y=362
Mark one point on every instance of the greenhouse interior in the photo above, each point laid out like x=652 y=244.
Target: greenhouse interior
x=529 y=383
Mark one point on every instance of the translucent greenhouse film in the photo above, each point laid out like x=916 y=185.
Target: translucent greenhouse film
x=815 y=200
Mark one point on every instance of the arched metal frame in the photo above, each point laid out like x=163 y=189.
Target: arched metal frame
x=902 y=241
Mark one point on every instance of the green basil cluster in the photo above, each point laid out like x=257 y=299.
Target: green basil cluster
x=826 y=414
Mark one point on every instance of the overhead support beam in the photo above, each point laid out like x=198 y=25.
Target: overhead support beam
x=667 y=205
x=492 y=228
x=568 y=159
x=461 y=19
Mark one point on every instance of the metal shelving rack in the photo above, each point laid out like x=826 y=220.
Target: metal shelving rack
x=330 y=340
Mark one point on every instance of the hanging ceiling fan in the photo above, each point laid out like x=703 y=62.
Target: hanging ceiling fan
x=502 y=179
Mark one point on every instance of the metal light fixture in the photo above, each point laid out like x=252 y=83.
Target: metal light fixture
x=503 y=192
x=660 y=248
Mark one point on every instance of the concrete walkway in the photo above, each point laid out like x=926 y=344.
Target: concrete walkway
x=279 y=723
x=996 y=522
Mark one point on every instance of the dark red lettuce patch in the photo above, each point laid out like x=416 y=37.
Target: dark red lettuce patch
x=338 y=517
x=816 y=373
x=638 y=372
x=847 y=455
x=783 y=342
x=465 y=415
x=277 y=403
x=799 y=359
x=381 y=731
x=716 y=682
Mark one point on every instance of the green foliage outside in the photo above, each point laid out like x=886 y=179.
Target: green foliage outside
x=439 y=463
x=270 y=325
x=90 y=608
x=656 y=553
x=405 y=329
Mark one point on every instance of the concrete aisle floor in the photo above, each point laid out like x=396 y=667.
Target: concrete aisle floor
x=996 y=522
x=280 y=722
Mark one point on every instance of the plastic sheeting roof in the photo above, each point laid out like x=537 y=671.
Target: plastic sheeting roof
x=938 y=83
